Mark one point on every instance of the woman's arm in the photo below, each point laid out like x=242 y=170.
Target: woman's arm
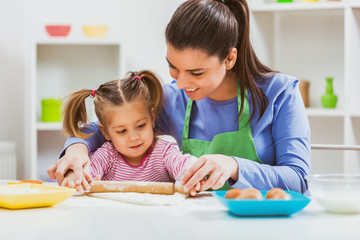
x=92 y=143
x=291 y=136
x=291 y=140
x=76 y=154
x=75 y=158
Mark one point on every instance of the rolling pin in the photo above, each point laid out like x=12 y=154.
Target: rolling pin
x=168 y=188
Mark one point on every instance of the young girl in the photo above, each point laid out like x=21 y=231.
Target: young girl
x=245 y=122
x=126 y=110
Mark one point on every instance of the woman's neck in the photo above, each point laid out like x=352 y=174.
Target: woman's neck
x=227 y=90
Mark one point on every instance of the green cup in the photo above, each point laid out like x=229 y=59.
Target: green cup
x=51 y=110
x=284 y=1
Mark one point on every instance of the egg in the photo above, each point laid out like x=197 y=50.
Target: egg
x=277 y=193
x=233 y=193
x=247 y=193
x=250 y=193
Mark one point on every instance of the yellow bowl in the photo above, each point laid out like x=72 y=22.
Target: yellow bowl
x=95 y=30
x=16 y=196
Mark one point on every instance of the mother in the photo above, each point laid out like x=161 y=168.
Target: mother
x=247 y=121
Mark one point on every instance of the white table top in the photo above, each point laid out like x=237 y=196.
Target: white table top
x=84 y=217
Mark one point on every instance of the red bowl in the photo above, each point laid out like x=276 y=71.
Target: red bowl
x=58 y=30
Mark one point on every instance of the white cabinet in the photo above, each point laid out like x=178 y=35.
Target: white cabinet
x=59 y=67
x=313 y=41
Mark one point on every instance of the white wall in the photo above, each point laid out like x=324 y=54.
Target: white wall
x=138 y=24
x=12 y=75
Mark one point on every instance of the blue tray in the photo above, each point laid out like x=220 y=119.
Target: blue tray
x=265 y=207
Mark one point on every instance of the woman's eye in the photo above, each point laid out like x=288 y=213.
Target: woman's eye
x=196 y=74
x=141 y=125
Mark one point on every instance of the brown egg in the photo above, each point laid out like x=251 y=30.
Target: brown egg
x=233 y=193
x=277 y=193
x=250 y=193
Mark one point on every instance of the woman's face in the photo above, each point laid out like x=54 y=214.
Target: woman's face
x=197 y=73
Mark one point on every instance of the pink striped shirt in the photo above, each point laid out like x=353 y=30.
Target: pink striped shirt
x=165 y=163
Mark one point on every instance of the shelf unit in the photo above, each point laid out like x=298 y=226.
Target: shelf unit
x=313 y=41
x=57 y=68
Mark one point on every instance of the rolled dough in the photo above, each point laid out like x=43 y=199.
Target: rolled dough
x=142 y=198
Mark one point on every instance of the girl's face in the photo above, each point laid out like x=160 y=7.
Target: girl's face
x=201 y=75
x=130 y=128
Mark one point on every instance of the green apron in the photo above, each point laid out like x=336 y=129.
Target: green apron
x=238 y=144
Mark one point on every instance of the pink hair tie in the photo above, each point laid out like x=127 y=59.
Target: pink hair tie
x=93 y=93
x=138 y=78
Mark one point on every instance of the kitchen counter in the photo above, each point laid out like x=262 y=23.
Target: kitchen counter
x=203 y=217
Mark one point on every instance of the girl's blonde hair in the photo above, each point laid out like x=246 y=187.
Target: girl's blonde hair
x=142 y=84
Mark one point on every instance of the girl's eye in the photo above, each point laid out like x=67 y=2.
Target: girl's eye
x=141 y=125
x=122 y=131
x=196 y=74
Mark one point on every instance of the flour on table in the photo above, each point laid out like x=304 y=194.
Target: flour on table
x=142 y=198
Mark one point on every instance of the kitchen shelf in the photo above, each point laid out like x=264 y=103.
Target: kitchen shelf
x=320 y=112
x=270 y=7
x=57 y=68
x=69 y=41
x=313 y=41
x=355 y=5
x=41 y=126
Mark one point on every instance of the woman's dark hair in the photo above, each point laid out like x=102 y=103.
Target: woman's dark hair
x=143 y=84
x=215 y=27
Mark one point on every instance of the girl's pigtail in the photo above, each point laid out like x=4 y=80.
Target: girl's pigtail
x=155 y=89
x=74 y=113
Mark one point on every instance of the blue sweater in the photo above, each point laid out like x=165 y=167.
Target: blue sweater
x=281 y=136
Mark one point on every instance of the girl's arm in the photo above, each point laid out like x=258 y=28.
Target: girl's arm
x=175 y=162
x=101 y=160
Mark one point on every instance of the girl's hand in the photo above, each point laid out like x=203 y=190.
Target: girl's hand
x=75 y=158
x=219 y=168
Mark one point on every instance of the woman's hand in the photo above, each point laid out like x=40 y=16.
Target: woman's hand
x=219 y=168
x=75 y=158
x=69 y=180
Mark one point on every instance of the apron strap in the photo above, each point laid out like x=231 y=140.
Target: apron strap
x=245 y=115
x=186 y=128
